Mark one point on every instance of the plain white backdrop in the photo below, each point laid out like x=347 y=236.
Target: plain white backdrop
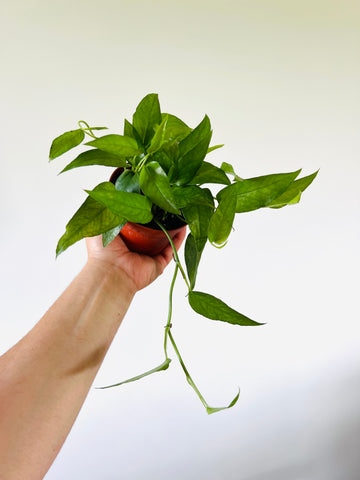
x=280 y=83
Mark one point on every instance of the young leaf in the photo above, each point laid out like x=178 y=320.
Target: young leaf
x=208 y=173
x=211 y=410
x=96 y=157
x=215 y=147
x=227 y=168
x=163 y=366
x=222 y=220
x=192 y=259
x=130 y=206
x=192 y=150
x=258 y=192
x=110 y=235
x=176 y=129
x=128 y=181
x=159 y=137
x=91 y=219
x=293 y=194
x=66 y=142
x=146 y=117
x=117 y=145
x=156 y=186
x=197 y=216
x=215 y=309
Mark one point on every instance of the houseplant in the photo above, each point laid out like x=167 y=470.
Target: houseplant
x=159 y=184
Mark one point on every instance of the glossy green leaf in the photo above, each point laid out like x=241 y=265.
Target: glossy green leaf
x=211 y=410
x=176 y=129
x=156 y=186
x=130 y=206
x=147 y=117
x=91 y=219
x=293 y=194
x=66 y=142
x=209 y=173
x=222 y=220
x=197 y=216
x=192 y=151
x=215 y=147
x=117 y=145
x=258 y=192
x=215 y=309
x=163 y=366
x=192 y=259
x=96 y=157
x=159 y=137
x=111 y=234
x=128 y=181
x=163 y=159
x=227 y=168
x=191 y=194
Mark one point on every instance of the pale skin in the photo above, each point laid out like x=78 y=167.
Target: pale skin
x=46 y=376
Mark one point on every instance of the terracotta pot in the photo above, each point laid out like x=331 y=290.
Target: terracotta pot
x=141 y=239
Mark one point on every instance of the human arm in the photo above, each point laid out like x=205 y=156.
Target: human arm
x=45 y=377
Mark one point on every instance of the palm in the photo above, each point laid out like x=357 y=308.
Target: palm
x=141 y=269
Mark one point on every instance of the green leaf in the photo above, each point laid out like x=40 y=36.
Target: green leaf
x=192 y=259
x=117 y=145
x=156 y=186
x=192 y=150
x=215 y=147
x=110 y=235
x=128 y=181
x=293 y=194
x=91 y=219
x=215 y=309
x=258 y=192
x=66 y=142
x=129 y=131
x=222 y=220
x=191 y=194
x=197 y=216
x=96 y=157
x=163 y=366
x=147 y=117
x=130 y=206
x=227 y=168
x=159 y=137
x=211 y=410
x=208 y=173
x=163 y=160
x=176 y=129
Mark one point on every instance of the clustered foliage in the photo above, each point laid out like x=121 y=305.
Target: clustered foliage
x=164 y=173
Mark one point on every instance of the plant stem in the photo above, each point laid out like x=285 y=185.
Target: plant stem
x=188 y=377
x=168 y=325
x=87 y=130
x=176 y=256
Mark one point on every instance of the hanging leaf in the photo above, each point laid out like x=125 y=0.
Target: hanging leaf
x=215 y=309
x=66 y=142
x=91 y=219
x=117 y=145
x=163 y=366
x=96 y=157
x=110 y=235
x=197 y=216
x=192 y=259
x=222 y=220
x=211 y=410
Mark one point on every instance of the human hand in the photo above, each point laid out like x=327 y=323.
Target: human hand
x=140 y=269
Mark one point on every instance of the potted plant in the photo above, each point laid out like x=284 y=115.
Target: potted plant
x=162 y=183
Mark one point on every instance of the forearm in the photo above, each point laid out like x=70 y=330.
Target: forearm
x=45 y=378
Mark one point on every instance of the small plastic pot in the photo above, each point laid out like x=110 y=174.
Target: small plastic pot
x=141 y=239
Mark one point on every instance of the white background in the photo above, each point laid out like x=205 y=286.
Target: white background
x=280 y=83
